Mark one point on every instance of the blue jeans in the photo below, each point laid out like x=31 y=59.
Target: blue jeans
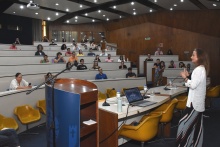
x=8 y=138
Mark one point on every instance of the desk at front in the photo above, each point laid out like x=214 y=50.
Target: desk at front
x=110 y=119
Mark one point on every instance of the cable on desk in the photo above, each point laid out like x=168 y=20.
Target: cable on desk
x=117 y=128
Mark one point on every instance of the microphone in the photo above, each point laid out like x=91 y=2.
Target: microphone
x=107 y=96
x=165 y=88
x=144 y=96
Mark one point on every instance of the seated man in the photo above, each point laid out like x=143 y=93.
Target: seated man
x=158 y=52
x=45 y=60
x=81 y=66
x=90 y=53
x=9 y=138
x=59 y=58
x=100 y=75
x=130 y=74
x=148 y=58
x=52 y=42
x=19 y=83
x=68 y=53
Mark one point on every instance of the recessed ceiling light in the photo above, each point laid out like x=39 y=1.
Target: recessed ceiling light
x=57 y=14
x=21 y=7
x=114 y=7
x=67 y=21
x=182 y=1
x=175 y=5
x=76 y=20
x=99 y=11
x=13 y=12
x=151 y=10
x=67 y=10
x=214 y=5
x=80 y=6
x=134 y=13
x=171 y=9
x=57 y=4
x=76 y=17
x=155 y=1
x=86 y=14
x=119 y=16
x=95 y=1
x=107 y=19
x=36 y=13
x=93 y=20
x=103 y=15
x=48 y=18
x=132 y=3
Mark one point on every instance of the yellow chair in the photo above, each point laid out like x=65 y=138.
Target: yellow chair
x=6 y=122
x=27 y=114
x=101 y=95
x=212 y=92
x=141 y=88
x=144 y=131
x=181 y=104
x=110 y=92
x=167 y=112
x=41 y=104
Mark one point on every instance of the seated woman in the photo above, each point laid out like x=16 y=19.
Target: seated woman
x=122 y=66
x=45 y=60
x=130 y=74
x=59 y=58
x=182 y=65
x=172 y=65
x=39 y=51
x=95 y=65
x=169 y=52
x=73 y=58
x=109 y=59
x=68 y=53
x=97 y=58
x=19 y=83
x=80 y=53
x=13 y=46
x=121 y=58
x=63 y=47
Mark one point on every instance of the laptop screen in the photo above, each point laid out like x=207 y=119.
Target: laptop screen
x=133 y=95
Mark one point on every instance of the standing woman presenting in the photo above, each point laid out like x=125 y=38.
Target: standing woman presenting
x=190 y=130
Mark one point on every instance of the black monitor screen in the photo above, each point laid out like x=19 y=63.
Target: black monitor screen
x=133 y=94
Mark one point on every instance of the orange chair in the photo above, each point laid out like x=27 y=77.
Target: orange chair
x=213 y=92
x=41 y=104
x=27 y=114
x=101 y=95
x=6 y=122
x=181 y=104
x=167 y=113
x=146 y=129
x=110 y=92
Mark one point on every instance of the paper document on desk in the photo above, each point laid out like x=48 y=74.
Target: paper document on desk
x=89 y=122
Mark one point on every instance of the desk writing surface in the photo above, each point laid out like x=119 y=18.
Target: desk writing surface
x=132 y=110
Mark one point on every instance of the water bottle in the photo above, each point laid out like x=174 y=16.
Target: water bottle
x=119 y=101
x=170 y=82
x=145 y=88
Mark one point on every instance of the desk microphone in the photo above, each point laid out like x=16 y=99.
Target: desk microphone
x=144 y=96
x=107 y=96
x=165 y=88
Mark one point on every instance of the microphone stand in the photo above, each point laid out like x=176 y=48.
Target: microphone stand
x=165 y=88
x=107 y=94
x=52 y=80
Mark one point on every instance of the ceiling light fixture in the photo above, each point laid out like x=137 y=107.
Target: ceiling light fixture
x=182 y=1
x=107 y=19
x=214 y=5
x=36 y=13
x=103 y=15
x=93 y=20
x=114 y=7
x=67 y=21
x=21 y=7
x=95 y=1
x=57 y=4
x=80 y=6
x=134 y=13
x=76 y=20
x=86 y=14
x=99 y=11
x=48 y=18
x=119 y=16
x=171 y=9
x=57 y=14
x=134 y=9
x=67 y=10
x=76 y=17
x=175 y=5
x=13 y=12
x=132 y=3
x=151 y=10
x=155 y=1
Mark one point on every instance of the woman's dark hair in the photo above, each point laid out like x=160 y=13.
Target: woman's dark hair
x=39 y=45
x=17 y=74
x=59 y=53
x=121 y=57
x=169 y=52
x=203 y=59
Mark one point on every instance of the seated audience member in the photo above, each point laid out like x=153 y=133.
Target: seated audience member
x=73 y=41
x=76 y=47
x=45 y=60
x=109 y=59
x=172 y=65
x=121 y=58
x=100 y=75
x=148 y=58
x=59 y=58
x=19 y=83
x=13 y=46
x=182 y=65
x=95 y=65
x=17 y=41
x=9 y=138
x=90 y=53
x=157 y=75
x=39 y=51
x=63 y=47
x=122 y=66
x=130 y=74
x=63 y=39
x=97 y=58
x=81 y=65
x=52 y=42
x=158 y=52
x=158 y=62
x=80 y=53
x=45 y=39
x=103 y=53
x=68 y=53
x=73 y=58
x=169 y=52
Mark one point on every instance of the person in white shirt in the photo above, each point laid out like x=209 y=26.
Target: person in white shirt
x=103 y=53
x=158 y=52
x=190 y=130
x=19 y=83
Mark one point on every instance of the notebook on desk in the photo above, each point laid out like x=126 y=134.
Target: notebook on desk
x=135 y=98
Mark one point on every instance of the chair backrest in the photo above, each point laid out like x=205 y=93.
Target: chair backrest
x=111 y=92
x=213 y=91
x=167 y=114
x=23 y=110
x=41 y=104
x=181 y=105
x=101 y=95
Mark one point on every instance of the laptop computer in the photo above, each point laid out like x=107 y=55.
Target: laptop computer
x=135 y=98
